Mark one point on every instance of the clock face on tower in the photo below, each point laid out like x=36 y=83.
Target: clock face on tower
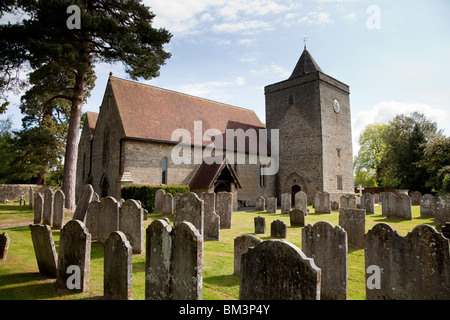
x=336 y=106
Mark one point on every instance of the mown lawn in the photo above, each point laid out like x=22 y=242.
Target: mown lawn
x=20 y=278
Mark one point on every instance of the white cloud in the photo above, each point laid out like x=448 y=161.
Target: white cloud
x=272 y=70
x=246 y=27
x=350 y=16
x=311 y=18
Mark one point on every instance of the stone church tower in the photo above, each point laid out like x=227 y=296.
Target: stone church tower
x=312 y=112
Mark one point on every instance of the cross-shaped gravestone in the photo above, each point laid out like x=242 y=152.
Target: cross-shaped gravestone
x=360 y=189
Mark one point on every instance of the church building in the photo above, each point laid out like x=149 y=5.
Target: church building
x=135 y=139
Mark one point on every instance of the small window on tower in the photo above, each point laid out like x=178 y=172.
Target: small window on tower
x=338 y=152
x=291 y=100
x=339 y=183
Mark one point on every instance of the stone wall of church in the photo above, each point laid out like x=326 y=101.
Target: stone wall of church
x=83 y=159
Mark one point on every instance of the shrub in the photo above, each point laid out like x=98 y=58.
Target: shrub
x=146 y=194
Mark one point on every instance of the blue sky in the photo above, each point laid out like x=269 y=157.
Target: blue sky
x=228 y=51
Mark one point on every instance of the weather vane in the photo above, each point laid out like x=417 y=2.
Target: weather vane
x=304 y=41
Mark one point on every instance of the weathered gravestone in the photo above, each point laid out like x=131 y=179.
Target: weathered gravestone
x=47 y=215
x=168 y=204
x=288 y=273
x=367 y=203
x=260 y=204
x=322 y=202
x=224 y=208
x=301 y=201
x=191 y=209
x=209 y=201
x=117 y=267
x=414 y=267
x=384 y=202
x=348 y=202
x=159 y=201
x=83 y=202
x=354 y=223
x=260 y=225
x=74 y=257
x=211 y=225
x=241 y=246
x=327 y=245
x=278 y=229
x=92 y=218
x=427 y=206
x=415 y=198
x=44 y=249
x=389 y=204
x=108 y=220
x=4 y=245
x=442 y=214
x=31 y=197
x=271 y=205
x=58 y=209
x=131 y=223
x=403 y=208
x=286 y=202
x=297 y=218
x=334 y=206
x=446 y=230
x=38 y=208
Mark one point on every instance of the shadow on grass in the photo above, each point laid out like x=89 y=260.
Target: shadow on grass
x=227 y=280
x=25 y=287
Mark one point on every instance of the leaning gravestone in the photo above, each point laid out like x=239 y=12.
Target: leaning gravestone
x=44 y=249
x=367 y=203
x=159 y=201
x=260 y=225
x=58 y=209
x=297 y=218
x=108 y=220
x=190 y=208
x=224 y=208
x=47 y=215
x=131 y=223
x=301 y=201
x=168 y=204
x=427 y=206
x=278 y=229
x=260 y=204
x=83 y=202
x=442 y=211
x=354 y=223
x=4 y=245
x=74 y=251
x=271 y=205
x=117 y=267
x=322 y=202
x=286 y=202
x=278 y=261
x=38 y=208
x=92 y=218
x=241 y=246
x=327 y=245
x=211 y=225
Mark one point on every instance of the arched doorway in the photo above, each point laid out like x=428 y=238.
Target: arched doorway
x=294 y=190
x=104 y=186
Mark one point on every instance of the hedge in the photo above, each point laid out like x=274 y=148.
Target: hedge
x=146 y=194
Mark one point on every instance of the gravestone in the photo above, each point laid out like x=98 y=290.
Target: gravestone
x=442 y=214
x=44 y=249
x=92 y=218
x=260 y=204
x=391 y=205
x=176 y=198
x=271 y=205
x=415 y=198
x=241 y=246
x=159 y=201
x=354 y=223
x=31 y=197
x=131 y=223
x=211 y=225
x=327 y=245
x=384 y=202
x=286 y=201
x=95 y=197
x=59 y=200
x=108 y=220
x=4 y=245
x=209 y=201
x=367 y=203
x=47 y=215
x=74 y=250
x=297 y=218
x=403 y=207
x=186 y=262
x=446 y=230
x=38 y=208
x=427 y=206
x=157 y=260
x=334 y=206
x=224 y=208
x=414 y=267
x=348 y=202
x=278 y=229
x=190 y=209
x=260 y=225
x=117 y=267
x=288 y=273
x=322 y=202
x=168 y=204
x=83 y=202
x=301 y=201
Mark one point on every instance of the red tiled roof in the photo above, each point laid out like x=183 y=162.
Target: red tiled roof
x=91 y=118
x=207 y=174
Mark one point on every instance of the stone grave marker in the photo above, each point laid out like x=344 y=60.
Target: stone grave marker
x=131 y=223
x=334 y=206
x=83 y=202
x=301 y=201
x=354 y=223
x=260 y=225
x=427 y=206
x=4 y=245
x=348 y=202
x=31 y=197
x=271 y=205
x=286 y=201
x=168 y=204
x=159 y=201
x=190 y=208
x=47 y=215
x=38 y=208
x=322 y=203
x=367 y=203
x=58 y=209
x=211 y=225
x=108 y=220
x=442 y=214
x=44 y=249
x=403 y=207
x=117 y=267
x=278 y=229
x=209 y=201
x=260 y=204
x=241 y=246
x=224 y=208
x=92 y=218
x=297 y=218
x=415 y=198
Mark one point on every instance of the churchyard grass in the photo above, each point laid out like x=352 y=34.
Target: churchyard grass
x=20 y=277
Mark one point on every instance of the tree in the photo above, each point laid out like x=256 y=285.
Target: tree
x=111 y=31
